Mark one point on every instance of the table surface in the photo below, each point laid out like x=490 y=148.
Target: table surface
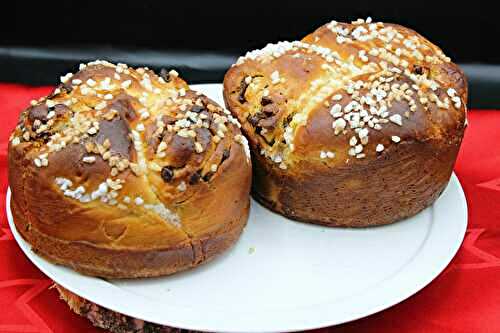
x=464 y=298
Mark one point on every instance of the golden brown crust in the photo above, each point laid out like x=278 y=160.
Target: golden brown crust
x=89 y=259
x=119 y=173
x=351 y=120
x=359 y=195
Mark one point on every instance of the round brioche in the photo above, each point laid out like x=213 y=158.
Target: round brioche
x=120 y=173
x=110 y=320
x=356 y=125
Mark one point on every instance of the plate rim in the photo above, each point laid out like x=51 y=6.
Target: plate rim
x=400 y=293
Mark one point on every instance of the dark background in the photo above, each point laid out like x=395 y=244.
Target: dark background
x=40 y=41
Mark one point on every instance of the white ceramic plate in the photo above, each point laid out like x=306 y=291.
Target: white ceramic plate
x=284 y=275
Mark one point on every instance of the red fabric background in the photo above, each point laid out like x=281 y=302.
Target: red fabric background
x=464 y=298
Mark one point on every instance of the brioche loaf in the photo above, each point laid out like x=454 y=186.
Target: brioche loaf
x=111 y=321
x=122 y=173
x=356 y=125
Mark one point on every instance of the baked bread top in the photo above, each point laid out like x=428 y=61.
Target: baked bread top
x=345 y=93
x=124 y=158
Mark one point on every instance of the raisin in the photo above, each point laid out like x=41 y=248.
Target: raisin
x=195 y=177
x=254 y=119
x=197 y=108
x=225 y=155
x=66 y=88
x=165 y=75
x=418 y=70
x=287 y=120
x=266 y=100
x=167 y=174
x=207 y=176
x=243 y=89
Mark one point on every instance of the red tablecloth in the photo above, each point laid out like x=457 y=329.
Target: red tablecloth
x=464 y=298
